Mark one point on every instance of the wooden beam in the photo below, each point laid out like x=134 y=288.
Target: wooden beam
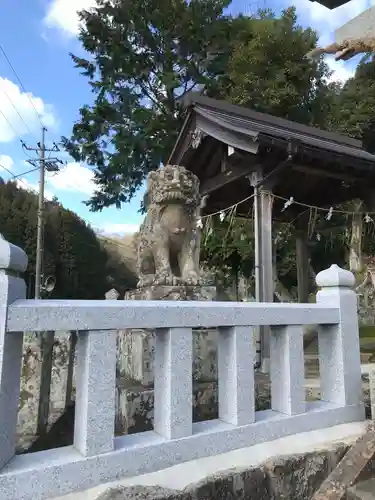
x=324 y=173
x=204 y=155
x=210 y=167
x=218 y=181
x=182 y=143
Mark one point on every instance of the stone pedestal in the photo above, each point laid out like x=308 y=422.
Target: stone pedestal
x=136 y=346
x=135 y=368
x=177 y=292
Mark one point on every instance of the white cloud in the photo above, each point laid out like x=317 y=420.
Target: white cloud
x=118 y=229
x=341 y=72
x=11 y=99
x=326 y=21
x=73 y=177
x=6 y=162
x=329 y=20
x=29 y=186
x=62 y=14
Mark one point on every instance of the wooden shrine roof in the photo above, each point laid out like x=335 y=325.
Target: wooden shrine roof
x=223 y=144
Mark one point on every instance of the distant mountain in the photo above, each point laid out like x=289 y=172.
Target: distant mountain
x=121 y=247
x=129 y=229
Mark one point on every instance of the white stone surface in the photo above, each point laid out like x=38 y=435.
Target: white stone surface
x=12 y=260
x=287 y=370
x=180 y=476
x=236 y=376
x=44 y=315
x=112 y=294
x=94 y=424
x=335 y=277
x=173 y=382
x=97 y=457
x=360 y=26
x=339 y=352
x=61 y=471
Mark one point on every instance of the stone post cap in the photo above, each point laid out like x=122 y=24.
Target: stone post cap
x=335 y=277
x=12 y=258
x=112 y=294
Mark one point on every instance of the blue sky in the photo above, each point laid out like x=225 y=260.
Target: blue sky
x=37 y=37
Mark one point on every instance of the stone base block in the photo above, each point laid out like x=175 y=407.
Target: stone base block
x=136 y=348
x=177 y=292
x=135 y=406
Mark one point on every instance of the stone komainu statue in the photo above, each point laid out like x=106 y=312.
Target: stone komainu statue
x=168 y=242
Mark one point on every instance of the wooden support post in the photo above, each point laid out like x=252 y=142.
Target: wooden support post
x=267 y=283
x=264 y=285
x=302 y=261
x=355 y=249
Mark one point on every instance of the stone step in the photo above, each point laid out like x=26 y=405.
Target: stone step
x=362 y=491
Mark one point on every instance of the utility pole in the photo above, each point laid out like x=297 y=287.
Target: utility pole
x=47 y=338
x=50 y=165
x=40 y=223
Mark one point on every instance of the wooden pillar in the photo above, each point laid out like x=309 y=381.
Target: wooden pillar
x=355 y=248
x=263 y=258
x=302 y=262
x=266 y=240
x=266 y=265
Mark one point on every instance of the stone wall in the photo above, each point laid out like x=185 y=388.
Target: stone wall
x=135 y=378
x=134 y=392
x=30 y=384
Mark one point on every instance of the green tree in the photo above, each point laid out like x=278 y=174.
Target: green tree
x=72 y=252
x=144 y=57
x=354 y=114
x=268 y=70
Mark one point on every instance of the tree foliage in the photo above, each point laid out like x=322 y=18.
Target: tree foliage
x=72 y=252
x=144 y=57
x=354 y=113
x=268 y=71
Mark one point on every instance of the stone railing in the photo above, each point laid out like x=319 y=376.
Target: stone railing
x=96 y=455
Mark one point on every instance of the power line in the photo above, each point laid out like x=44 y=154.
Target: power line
x=21 y=84
x=17 y=177
x=16 y=110
x=8 y=122
x=7 y=170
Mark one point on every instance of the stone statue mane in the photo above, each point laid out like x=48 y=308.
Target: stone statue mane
x=168 y=242
x=346 y=49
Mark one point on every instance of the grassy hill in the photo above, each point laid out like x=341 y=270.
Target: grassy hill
x=122 y=255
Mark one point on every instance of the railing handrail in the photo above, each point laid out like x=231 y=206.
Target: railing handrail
x=41 y=315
